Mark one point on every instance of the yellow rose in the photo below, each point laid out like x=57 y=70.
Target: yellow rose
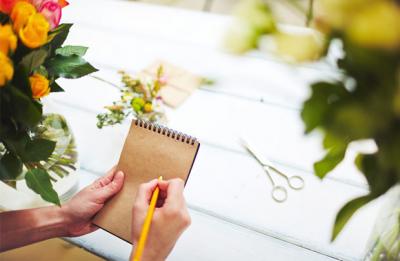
x=21 y=13
x=39 y=85
x=8 y=40
x=34 y=34
x=6 y=69
x=376 y=26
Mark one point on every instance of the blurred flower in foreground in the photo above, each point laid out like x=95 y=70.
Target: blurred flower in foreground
x=337 y=13
x=295 y=47
x=377 y=25
x=241 y=37
x=257 y=14
x=255 y=27
x=253 y=18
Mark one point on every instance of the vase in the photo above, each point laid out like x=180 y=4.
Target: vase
x=62 y=166
x=385 y=240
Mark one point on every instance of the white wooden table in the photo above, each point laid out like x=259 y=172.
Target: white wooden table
x=234 y=217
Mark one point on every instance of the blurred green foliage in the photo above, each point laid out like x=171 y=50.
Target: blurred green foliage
x=366 y=110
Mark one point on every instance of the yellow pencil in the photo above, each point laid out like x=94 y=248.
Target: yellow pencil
x=146 y=225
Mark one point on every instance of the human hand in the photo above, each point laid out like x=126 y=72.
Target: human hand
x=79 y=211
x=170 y=218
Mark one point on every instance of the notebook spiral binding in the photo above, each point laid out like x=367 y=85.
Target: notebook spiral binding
x=179 y=136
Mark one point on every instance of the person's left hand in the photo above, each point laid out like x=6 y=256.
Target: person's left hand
x=79 y=211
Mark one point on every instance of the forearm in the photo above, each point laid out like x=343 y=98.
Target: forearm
x=23 y=227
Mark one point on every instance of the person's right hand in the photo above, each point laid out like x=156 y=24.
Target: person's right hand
x=170 y=218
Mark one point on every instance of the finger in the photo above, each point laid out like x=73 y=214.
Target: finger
x=175 y=192
x=111 y=188
x=93 y=228
x=106 y=179
x=163 y=186
x=145 y=191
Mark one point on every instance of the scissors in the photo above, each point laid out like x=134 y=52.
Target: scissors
x=278 y=193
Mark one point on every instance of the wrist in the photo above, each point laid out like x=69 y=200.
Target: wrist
x=48 y=222
x=149 y=254
x=67 y=219
x=62 y=221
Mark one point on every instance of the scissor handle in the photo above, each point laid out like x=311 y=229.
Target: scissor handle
x=296 y=182
x=279 y=194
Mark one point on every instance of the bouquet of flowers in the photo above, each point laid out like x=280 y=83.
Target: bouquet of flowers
x=139 y=98
x=32 y=58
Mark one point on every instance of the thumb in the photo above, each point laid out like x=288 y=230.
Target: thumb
x=111 y=188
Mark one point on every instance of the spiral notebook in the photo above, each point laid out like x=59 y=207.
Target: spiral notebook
x=150 y=150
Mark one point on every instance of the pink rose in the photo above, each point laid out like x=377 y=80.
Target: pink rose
x=52 y=11
x=38 y=3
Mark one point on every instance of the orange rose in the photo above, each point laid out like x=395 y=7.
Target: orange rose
x=6 y=69
x=8 y=40
x=21 y=13
x=34 y=34
x=39 y=85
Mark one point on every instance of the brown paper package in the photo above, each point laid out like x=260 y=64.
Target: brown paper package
x=149 y=151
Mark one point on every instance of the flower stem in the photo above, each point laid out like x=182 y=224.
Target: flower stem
x=310 y=12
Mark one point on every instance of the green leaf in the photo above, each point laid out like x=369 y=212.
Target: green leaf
x=21 y=80
x=39 y=181
x=4 y=18
x=71 y=50
x=347 y=211
x=57 y=37
x=55 y=87
x=331 y=140
x=324 y=96
x=70 y=67
x=34 y=59
x=10 y=166
x=25 y=110
x=15 y=141
x=358 y=161
x=334 y=156
x=38 y=149
x=357 y=121
x=41 y=70
x=379 y=177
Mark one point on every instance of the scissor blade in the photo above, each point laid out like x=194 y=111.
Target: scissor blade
x=253 y=152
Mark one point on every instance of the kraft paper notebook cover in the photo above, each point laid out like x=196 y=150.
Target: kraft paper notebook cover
x=149 y=151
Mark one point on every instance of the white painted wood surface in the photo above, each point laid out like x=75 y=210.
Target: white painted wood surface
x=234 y=217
